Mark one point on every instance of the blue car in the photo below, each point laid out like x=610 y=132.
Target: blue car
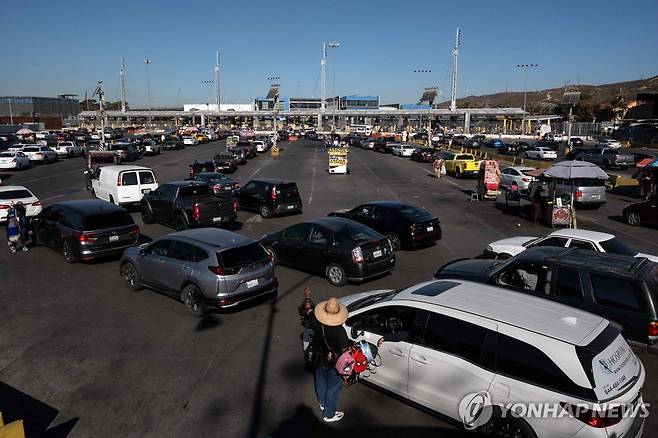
x=495 y=143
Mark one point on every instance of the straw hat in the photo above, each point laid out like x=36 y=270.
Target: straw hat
x=331 y=312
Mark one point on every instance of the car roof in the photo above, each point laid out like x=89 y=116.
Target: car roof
x=124 y=167
x=214 y=237
x=586 y=259
x=334 y=224
x=579 y=233
x=393 y=205
x=88 y=206
x=517 y=309
x=273 y=181
x=184 y=183
x=521 y=168
x=8 y=188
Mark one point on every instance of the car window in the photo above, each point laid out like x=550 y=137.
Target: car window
x=112 y=219
x=616 y=292
x=15 y=194
x=160 y=248
x=146 y=177
x=363 y=211
x=250 y=186
x=526 y=276
x=320 y=236
x=242 y=255
x=405 y=321
x=616 y=246
x=182 y=251
x=568 y=285
x=129 y=179
x=551 y=241
x=582 y=244
x=194 y=190
x=297 y=232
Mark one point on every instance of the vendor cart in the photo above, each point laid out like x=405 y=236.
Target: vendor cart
x=338 y=160
x=488 y=180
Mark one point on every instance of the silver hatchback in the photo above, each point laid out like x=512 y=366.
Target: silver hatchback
x=206 y=268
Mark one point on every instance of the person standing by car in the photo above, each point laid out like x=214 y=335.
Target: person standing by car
x=438 y=167
x=331 y=339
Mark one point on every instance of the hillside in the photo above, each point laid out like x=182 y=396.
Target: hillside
x=544 y=101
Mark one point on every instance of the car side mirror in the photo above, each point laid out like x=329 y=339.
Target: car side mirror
x=143 y=250
x=357 y=330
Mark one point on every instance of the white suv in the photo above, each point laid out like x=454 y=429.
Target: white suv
x=451 y=342
x=67 y=149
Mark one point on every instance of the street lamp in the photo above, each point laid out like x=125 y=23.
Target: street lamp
x=148 y=87
x=525 y=68
x=334 y=45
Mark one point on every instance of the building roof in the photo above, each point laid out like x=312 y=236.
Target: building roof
x=518 y=309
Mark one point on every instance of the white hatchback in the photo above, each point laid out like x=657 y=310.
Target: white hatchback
x=10 y=195
x=14 y=160
x=477 y=354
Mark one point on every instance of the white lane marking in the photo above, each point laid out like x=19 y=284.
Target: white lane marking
x=61 y=195
x=377 y=176
x=315 y=159
x=252 y=220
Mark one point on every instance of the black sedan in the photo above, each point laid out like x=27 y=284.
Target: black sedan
x=515 y=148
x=405 y=225
x=642 y=213
x=220 y=183
x=424 y=155
x=339 y=249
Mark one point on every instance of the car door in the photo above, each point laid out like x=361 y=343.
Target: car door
x=390 y=320
x=453 y=358
x=505 y=177
x=177 y=266
x=567 y=288
x=246 y=196
x=152 y=262
x=362 y=214
x=318 y=248
x=649 y=212
x=129 y=190
x=47 y=228
x=290 y=249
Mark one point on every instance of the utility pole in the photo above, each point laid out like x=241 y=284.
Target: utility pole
x=101 y=111
x=217 y=91
x=525 y=68
x=455 y=58
x=148 y=87
x=334 y=45
x=323 y=80
x=122 y=79
x=11 y=113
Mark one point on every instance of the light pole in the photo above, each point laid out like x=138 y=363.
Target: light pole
x=334 y=45
x=148 y=87
x=525 y=68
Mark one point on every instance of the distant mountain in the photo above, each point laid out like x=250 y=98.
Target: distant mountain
x=544 y=101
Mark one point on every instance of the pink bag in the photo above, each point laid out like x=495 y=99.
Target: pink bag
x=345 y=364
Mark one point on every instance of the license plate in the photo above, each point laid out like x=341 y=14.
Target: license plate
x=596 y=196
x=430 y=228
x=290 y=207
x=146 y=190
x=377 y=254
x=217 y=219
x=114 y=238
x=252 y=283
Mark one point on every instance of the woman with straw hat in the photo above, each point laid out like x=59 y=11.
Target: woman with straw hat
x=332 y=340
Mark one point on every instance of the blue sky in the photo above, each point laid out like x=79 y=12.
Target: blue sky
x=53 y=47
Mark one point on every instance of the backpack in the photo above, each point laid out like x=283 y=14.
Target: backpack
x=360 y=360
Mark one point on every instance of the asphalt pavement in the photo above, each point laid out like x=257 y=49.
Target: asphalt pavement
x=93 y=358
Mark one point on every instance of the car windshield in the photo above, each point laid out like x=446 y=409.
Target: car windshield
x=373 y=299
x=242 y=255
x=31 y=149
x=616 y=246
x=412 y=213
x=107 y=220
x=216 y=178
x=360 y=234
x=15 y=194
x=194 y=190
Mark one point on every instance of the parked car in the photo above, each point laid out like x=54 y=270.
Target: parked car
x=569 y=238
x=151 y=148
x=406 y=226
x=575 y=153
x=261 y=147
x=10 y=195
x=476 y=141
x=576 y=142
x=188 y=204
x=190 y=141
x=218 y=182
x=588 y=192
x=608 y=158
x=640 y=213
x=67 y=149
x=494 y=143
x=125 y=151
x=518 y=174
x=249 y=148
x=461 y=165
x=14 y=160
x=85 y=229
x=607 y=143
x=40 y=154
x=617 y=287
x=384 y=144
x=540 y=153
x=553 y=136
x=515 y=148
x=550 y=144
x=122 y=184
x=205 y=268
x=423 y=155
x=170 y=145
x=339 y=249
x=240 y=154
x=224 y=162
x=489 y=346
x=269 y=197
x=403 y=149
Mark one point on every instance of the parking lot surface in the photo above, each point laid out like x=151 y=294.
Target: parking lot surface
x=112 y=362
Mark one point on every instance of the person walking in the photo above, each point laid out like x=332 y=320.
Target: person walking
x=438 y=167
x=13 y=229
x=332 y=340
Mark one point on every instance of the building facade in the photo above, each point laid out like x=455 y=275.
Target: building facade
x=33 y=106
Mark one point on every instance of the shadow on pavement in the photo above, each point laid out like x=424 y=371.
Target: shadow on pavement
x=36 y=415
x=206 y=323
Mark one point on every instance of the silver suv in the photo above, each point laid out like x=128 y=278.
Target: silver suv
x=206 y=268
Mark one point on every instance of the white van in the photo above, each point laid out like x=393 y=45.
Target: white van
x=122 y=185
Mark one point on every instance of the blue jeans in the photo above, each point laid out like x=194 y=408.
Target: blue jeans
x=328 y=385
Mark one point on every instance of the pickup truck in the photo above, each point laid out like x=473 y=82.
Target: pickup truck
x=187 y=204
x=608 y=158
x=461 y=164
x=225 y=162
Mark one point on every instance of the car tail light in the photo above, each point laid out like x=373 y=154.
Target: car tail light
x=578 y=194
x=274 y=193
x=220 y=270
x=5 y=207
x=596 y=419
x=236 y=206
x=525 y=179
x=87 y=238
x=357 y=255
x=196 y=213
x=119 y=180
x=36 y=203
x=653 y=328
x=134 y=232
x=236 y=186
x=216 y=188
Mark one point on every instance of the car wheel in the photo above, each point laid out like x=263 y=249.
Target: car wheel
x=272 y=254
x=502 y=256
x=181 y=223
x=191 y=297
x=131 y=277
x=510 y=426
x=336 y=275
x=458 y=173
x=112 y=200
x=147 y=215
x=265 y=211
x=92 y=192
x=633 y=218
x=395 y=241
x=68 y=252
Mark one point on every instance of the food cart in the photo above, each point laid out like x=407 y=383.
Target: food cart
x=338 y=160
x=232 y=140
x=488 y=180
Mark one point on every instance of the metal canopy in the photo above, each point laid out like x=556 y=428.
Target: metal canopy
x=273 y=92
x=429 y=94
x=570 y=98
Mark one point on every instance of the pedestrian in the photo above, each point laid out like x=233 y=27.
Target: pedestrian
x=13 y=229
x=332 y=340
x=21 y=215
x=537 y=205
x=438 y=167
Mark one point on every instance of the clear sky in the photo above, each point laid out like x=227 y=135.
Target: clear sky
x=53 y=47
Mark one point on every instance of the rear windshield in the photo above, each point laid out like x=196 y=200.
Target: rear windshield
x=243 y=143
x=616 y=246
x=197 y=189
x=31 y=149
x=360 y=234
x=107 y=220
x=216 y=178
x=412 y=213
x=286 y=188
x=465 y=157
x=15 y=194
x=587 y=182
x=242 y=255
